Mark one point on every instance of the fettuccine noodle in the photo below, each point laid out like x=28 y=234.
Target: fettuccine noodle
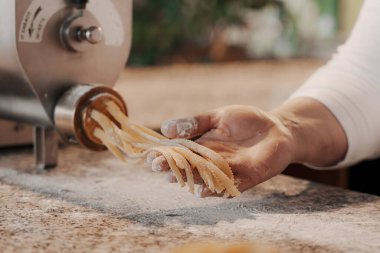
x=132 y=142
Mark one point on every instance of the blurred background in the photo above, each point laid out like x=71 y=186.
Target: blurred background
x=178 y=31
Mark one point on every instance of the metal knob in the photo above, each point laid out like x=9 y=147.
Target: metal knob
x=93 y=34
x=81 y=33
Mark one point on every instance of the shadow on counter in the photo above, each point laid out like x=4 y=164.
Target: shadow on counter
x=315 y=198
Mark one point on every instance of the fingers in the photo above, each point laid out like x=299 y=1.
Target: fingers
x=260 y=163
x=188 y=127
x=160 y=164
x=203 y=191
x=197 y=178
x=157 y=162
x=151 y=156
x=170 y=177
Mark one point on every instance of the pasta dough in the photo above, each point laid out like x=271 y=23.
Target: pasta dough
x=133 y=142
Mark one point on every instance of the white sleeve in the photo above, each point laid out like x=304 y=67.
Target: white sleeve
x=349 y=85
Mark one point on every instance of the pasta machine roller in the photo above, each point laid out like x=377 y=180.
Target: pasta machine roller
x=58 y=57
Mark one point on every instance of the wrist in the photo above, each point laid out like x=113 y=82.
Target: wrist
x=318 y=137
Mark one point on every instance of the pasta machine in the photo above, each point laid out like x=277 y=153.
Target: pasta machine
x=58 y=58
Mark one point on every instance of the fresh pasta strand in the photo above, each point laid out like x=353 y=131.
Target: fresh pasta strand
x=134 y=142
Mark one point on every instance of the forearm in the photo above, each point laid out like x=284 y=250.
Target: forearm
x=318 y=137
x=349 y=86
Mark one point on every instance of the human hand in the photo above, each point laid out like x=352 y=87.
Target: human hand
x=256 y=144
x=259 y=145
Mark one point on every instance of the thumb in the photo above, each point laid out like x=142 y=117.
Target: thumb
x=188 y=127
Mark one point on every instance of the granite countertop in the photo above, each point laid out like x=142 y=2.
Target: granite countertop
x=95 y=203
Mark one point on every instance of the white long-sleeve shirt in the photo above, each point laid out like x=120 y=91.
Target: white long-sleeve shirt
x=349 y=85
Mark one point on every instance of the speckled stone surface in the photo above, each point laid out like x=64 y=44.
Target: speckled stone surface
x=96 y=203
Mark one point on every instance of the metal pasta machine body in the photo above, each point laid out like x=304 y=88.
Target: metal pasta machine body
x=58 y=57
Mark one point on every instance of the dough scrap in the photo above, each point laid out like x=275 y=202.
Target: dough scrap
x=133 y=142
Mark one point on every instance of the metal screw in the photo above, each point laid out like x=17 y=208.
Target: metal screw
x=93 y=34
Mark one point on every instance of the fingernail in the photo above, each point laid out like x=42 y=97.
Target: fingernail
x=186 y=127
x=151 y=156
x=182 y=128
x=158 y=164
x=168 y=128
